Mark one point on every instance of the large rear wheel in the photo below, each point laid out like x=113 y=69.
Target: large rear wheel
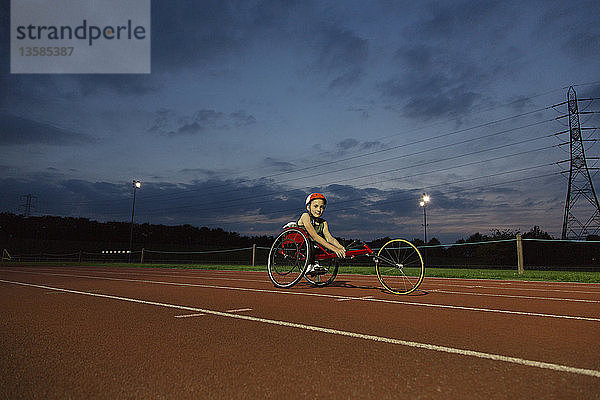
x=399 y=266
x=288 y=258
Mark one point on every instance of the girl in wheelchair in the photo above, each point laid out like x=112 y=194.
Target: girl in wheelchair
x=317 y=228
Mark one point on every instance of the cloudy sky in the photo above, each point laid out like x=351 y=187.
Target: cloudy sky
x=251 y=105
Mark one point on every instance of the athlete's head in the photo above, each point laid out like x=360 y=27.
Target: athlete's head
x=315 y=204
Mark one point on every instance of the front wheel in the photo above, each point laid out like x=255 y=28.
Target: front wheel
x=399 y=266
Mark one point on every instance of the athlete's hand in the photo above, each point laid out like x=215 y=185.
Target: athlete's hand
x=340 y=252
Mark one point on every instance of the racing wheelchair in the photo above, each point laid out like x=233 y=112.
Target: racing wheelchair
x=398 y=263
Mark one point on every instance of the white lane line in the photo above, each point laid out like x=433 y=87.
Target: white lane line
x=239 y=310
x=356 y=298
x=331 y=296
x=524 y=289
x=514 y=282
x=189 y=315
x=511 y=296
x=426 y=346
x=147 y=273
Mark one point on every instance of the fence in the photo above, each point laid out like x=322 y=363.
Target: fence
x=243 y=256
x=517 y=253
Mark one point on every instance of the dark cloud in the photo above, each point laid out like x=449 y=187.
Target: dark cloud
x=521 y=103
x=364 y=112
x=574 y=29
x=583 y=44
x=33 y=89
x=350 y=144
x=260 y=206
x=417 y=57
x=342 y=55
x=241 y=119
x=68 y=197
x=347 y=144
x=210 y=36
x=368 y=145
x=209 y=118
x=474 y=21
x=200 y=173
x=17 y=131
x=162 y=121
x=188 y=129
x=450 y=68
x=188 y=35
x=591 y=91
x=339 y=48
x=447 y=103
x=436 y=83
x=167 y=122
x=279 y=165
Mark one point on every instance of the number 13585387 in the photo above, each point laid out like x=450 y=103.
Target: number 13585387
x=46 y=51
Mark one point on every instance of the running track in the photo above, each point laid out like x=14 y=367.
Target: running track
x=95 y=332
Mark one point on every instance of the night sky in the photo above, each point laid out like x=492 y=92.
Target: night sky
x=251 y=105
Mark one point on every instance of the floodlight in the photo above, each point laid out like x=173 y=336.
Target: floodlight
x=136 y=185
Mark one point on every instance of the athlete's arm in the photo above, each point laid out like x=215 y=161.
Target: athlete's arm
x=305 y=219
x=339 y=249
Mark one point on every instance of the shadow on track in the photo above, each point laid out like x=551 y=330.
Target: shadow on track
x=347 y=284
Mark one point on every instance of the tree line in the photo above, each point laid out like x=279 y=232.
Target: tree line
x=52 y=234
x=55 y=235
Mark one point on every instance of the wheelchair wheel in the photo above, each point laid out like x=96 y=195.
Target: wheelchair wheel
x=325 y=274
x=399 y=266
x=288 y=258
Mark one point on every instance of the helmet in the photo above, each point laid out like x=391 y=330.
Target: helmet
x=314 y=196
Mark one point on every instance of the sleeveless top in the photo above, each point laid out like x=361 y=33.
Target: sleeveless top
x=317 y=223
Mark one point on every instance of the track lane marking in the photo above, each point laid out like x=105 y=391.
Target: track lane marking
x=514 y=282
x=356 y=335
x=356 y=298
x=525 y=289
x=331 y=296
x=189 y=315
x=514 y=296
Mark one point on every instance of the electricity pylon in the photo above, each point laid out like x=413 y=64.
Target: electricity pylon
x=582 y=211
x=28 y=204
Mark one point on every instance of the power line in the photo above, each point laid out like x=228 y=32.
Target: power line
x=417 y=190
x=367 y=154
x=420 y=152
x=279 y=192
x=186 y=193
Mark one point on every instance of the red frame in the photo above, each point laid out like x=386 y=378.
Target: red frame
x=325 y=254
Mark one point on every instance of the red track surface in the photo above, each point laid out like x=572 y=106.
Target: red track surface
x=93 y=332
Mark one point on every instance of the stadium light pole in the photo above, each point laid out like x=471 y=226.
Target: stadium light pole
x=424 y=200
x=136 y=185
